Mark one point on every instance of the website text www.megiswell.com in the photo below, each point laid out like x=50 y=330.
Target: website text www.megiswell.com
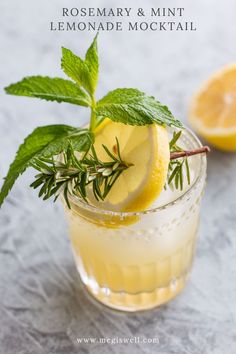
x=117 y=340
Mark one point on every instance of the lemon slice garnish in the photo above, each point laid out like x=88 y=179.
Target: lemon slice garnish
x=147 y=149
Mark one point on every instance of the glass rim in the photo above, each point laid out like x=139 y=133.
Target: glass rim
x=81 y=203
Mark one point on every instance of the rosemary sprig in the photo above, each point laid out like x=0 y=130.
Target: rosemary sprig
x=71 y=175
x=176 y=176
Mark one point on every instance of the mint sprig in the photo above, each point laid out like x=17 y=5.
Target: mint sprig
x=128 y=106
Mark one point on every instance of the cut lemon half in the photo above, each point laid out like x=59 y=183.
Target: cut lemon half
x=213 y=110
x=147 y=149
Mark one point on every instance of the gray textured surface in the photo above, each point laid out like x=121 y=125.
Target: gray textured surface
x=43 y=308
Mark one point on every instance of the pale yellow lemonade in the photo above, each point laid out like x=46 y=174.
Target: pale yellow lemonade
x=135 y=261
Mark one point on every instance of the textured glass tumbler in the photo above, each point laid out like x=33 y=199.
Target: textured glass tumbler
x=136 y=261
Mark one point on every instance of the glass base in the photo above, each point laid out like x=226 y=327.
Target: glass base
x=137 y=302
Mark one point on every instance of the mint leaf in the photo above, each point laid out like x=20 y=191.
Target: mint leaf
x=133 y=107
x=74 y=67
x=50 y=89
x=83 y=72
x=45 y=142
x=92 y=61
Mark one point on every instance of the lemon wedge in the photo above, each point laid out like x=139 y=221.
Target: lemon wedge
x=147 y=149
x=213 y=109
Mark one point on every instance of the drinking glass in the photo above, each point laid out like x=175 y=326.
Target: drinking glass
x=134 y=261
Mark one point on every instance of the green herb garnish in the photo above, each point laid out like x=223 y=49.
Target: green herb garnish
x=126 y=105
x=71 y=175
x=176 y=166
